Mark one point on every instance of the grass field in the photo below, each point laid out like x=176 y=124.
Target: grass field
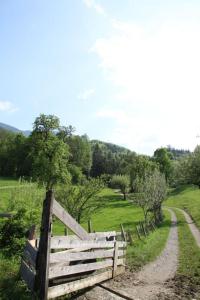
x=188 y=198
x=114 y=211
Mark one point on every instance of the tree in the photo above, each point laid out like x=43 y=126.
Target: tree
x=140 y=166
x=50 y=154
x=98 y=161
x=194 y=169
x=121 y=182
x=163 y=157
x=80 y=200
x=151 y=191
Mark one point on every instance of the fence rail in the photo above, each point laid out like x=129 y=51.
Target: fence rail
x=60 y=265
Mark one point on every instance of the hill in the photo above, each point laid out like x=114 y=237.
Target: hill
x=111 y=147
x=14 y=129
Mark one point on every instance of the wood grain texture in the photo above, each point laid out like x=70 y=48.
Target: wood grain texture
x=30 y=254
x=70 y=287
x=62 y=243
x=63 y=256
x=62 y=270
x=66 y=219
x=42 y=264
x=27 y=275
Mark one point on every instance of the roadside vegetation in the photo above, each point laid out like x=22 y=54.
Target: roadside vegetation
x=186 y=197
x=188 y=274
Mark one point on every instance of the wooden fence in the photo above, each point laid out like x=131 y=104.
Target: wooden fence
x=58 y=265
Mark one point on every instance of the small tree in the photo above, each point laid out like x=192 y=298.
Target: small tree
x=122 y=182
x=151 y=193
x=80 y=200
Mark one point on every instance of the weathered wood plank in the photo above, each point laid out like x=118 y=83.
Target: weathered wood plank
x=42 y=264
x=30 y=254
x=123 y=232
x=62 y=270
x=89 y=226
x=66 y=219
x=65 y=243
x=27 y=275
x=115 y=260
x=130 y=238
x=93 y=236
x=70 y=287
x=64 y=256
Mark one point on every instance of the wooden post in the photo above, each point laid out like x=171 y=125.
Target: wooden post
x=130 y=237
x=138 y=233
x=153 y=225
x=115 y=258
x=123 y=232
x=32 y=233
x=89 y=226
x=42 y=263
x=66 y=231
x=143 y=229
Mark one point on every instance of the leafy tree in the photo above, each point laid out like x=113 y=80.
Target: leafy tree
x=151 y=193
x=50 y=154
x=163 y=157
x=80 y=200
x=121 y=182
x=98 y=161
x=139 y=167
x=194 y=167
x=182 y=171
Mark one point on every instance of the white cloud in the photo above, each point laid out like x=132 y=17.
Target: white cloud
x=158 y=75
x=97 y=7
x=85 y=95
x=6 y=106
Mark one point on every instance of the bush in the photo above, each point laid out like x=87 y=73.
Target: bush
x=13 y=233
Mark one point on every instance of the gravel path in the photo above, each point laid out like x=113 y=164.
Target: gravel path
x=149 y=283
x=193 y=228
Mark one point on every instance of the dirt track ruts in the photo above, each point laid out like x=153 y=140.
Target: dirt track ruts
x=149 y=282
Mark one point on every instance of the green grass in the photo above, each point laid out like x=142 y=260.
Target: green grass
x=188 y=198
x=149 y=248
x=188 y=273
x=114 y=211
x=189 y=252
x=5 y=181
x=11 y=287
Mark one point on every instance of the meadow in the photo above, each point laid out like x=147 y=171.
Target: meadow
x=114 y=211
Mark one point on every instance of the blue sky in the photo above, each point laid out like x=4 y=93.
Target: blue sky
x=126 y=72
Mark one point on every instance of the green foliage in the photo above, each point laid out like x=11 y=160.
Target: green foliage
x=147 y=250
x=12 y=234
x=163 y=157
x=122 y=182
x=186 y=197
x=151 y=192
x=108 y=159
x=81 y=155
x=50 y=154
x=138 y=168
x=81 y=200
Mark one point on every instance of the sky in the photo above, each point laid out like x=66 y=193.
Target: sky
x=126 y=72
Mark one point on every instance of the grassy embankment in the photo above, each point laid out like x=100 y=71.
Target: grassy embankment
x=114 y=211
x=188 y=274
x=188 y=198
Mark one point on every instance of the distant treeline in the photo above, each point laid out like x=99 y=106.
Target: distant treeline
x=84 y=157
